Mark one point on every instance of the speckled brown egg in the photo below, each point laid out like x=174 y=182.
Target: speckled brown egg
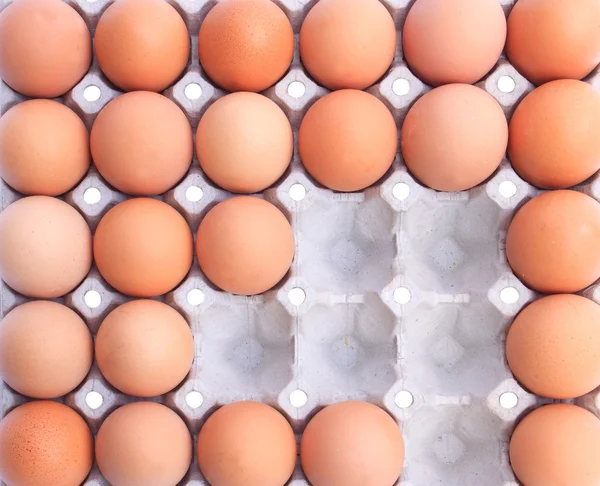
x=143 y=247
x=45 y=247
x=44 y=148
x=245 y=45
x=45 y=443
x=142 y=44
x=45 y=47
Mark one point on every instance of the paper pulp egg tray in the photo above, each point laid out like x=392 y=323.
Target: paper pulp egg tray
x=398 y=295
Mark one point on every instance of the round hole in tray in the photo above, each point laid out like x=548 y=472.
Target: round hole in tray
x=298 y=398
x=402 y=295
x=193 y=91
x=194 y=193
x=401 y=87
x=92 y=195
x=401 y=191
x=508 y=400
x=194 y=399
x=297 y=192
x=297 y=296
x=296 y=89
x=195 y=297
x=506 y=84
x=509 y=295
x=92 y=299
x=92 y=92
x=403 y=399
x=507 y=189
x=94 y=400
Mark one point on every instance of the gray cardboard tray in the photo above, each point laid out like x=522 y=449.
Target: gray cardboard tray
x=398 y=295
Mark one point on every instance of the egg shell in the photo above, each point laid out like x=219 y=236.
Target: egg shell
x=44 y=443
x=247 y=444
x=45 y=247
x=347 y=43
x=45 y=47
x=552 y=242
x=142 y=44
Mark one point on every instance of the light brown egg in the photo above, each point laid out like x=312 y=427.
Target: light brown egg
x=347 y=43
x=143 y=247
x=142 y=143
x=554 y=141
x=553 y=346
x=247 y=444
x=352 y=444
x=144 y=348
x=245 y=45
x=245 y=245
x=44 y=148
x=554 y=39
x=44 y=443
x=46 y=349
x=552 y=242
x=348 y=140
x=556 y=445
x=45 y=247
x=45 y=47
x=454 y=137
x=244 y=142
x=142 y=44
x=143 y=444
x=453 y=41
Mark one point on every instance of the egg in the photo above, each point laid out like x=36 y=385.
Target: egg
x=348 y=140
x=45 y=247
x=144 y=348
x=554 y=39
x=454 y=137
x=44 y=148
x=557 y=445
x=46 y=349
x=143 y=444
x=453 y=41
x=347 y=43
x=247 y=444
x=553 y=346
x=245 y=245
x=244 y=142
x=552 y=242
x=245 y=45
x=142 y=44
x=352 y=444
x=142 y=143
x=43 y=443
x=553 y=141
x=45 y=47
x=143 y=247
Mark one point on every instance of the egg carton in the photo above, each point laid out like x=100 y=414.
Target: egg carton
x=398 y=295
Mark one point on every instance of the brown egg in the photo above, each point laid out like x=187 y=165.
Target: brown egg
x=348 y=140
x=44 y=148
x=143 y=247
x=557 y=445
x=45 y=247
x=244 y=142
x=142 y=44
x=144 y=348
x=45 y=443
x=247 y=444
x=553 y=346
x=347 y=43
x=45 y=47
x=352 y=444
x=554 y=141
x=556 y=39
x=246 y=45
x=454 y=137
x=245 y=245
x=142 y=143
x=552 y=242
x=46 y=349
x=453 y=41
x=143 y=444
